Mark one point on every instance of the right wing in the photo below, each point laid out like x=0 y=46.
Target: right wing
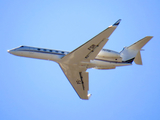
x=89 y=50
x=78 y=79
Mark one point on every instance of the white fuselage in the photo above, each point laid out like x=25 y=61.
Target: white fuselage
x=106 y=59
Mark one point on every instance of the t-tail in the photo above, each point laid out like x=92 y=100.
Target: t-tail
x=132 y=53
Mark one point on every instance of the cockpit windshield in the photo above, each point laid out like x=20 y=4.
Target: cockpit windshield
x=21 y=46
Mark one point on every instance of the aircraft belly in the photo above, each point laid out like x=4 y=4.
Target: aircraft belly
x=89 y=55
x=102 y=64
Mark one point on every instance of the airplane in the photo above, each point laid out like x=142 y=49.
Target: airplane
x=89 y=55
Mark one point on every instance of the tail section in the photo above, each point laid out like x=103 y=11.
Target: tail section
x=138 y=59
x=132 y=53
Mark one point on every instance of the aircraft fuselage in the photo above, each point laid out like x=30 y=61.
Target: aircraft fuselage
x=106 y=59
x=89 y=55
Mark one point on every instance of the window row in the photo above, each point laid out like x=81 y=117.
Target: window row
x=55 y=51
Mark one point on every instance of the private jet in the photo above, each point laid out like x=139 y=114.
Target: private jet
x=89 y=55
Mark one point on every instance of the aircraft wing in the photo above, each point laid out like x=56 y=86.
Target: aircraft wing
x=78 y=79
x=89 y=50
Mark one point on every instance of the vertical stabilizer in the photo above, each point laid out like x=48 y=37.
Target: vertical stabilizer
x=138 y=59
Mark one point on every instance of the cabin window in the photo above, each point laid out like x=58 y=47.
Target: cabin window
x=44 y=49
x=50 y=50
x=38 y=49
x=62 y=52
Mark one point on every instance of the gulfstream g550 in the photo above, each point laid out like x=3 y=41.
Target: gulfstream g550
x=89 y=55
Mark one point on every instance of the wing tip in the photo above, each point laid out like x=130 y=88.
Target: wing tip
x=89 y=95
x=149 y=36
x=117 y=23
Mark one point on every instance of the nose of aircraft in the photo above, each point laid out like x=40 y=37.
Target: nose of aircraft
x=14 y=51
x=10 y=51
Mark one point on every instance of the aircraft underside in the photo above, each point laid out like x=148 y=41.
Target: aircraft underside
x=89 y=55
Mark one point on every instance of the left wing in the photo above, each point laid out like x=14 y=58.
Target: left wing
x=89 y=50
x=78 y=79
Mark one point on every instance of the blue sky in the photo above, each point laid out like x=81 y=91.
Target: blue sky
x=32 y=89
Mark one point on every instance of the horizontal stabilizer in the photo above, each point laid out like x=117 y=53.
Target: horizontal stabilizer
x=132 y=52
x=138 y=45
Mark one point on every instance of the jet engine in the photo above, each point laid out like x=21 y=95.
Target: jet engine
x=109 y=55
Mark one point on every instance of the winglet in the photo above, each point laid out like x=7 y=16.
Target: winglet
x=89 y=95
x=117 y=23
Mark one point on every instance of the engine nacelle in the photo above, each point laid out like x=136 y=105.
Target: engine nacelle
x=109 y=55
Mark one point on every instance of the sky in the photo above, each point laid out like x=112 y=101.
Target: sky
x=32 y=89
